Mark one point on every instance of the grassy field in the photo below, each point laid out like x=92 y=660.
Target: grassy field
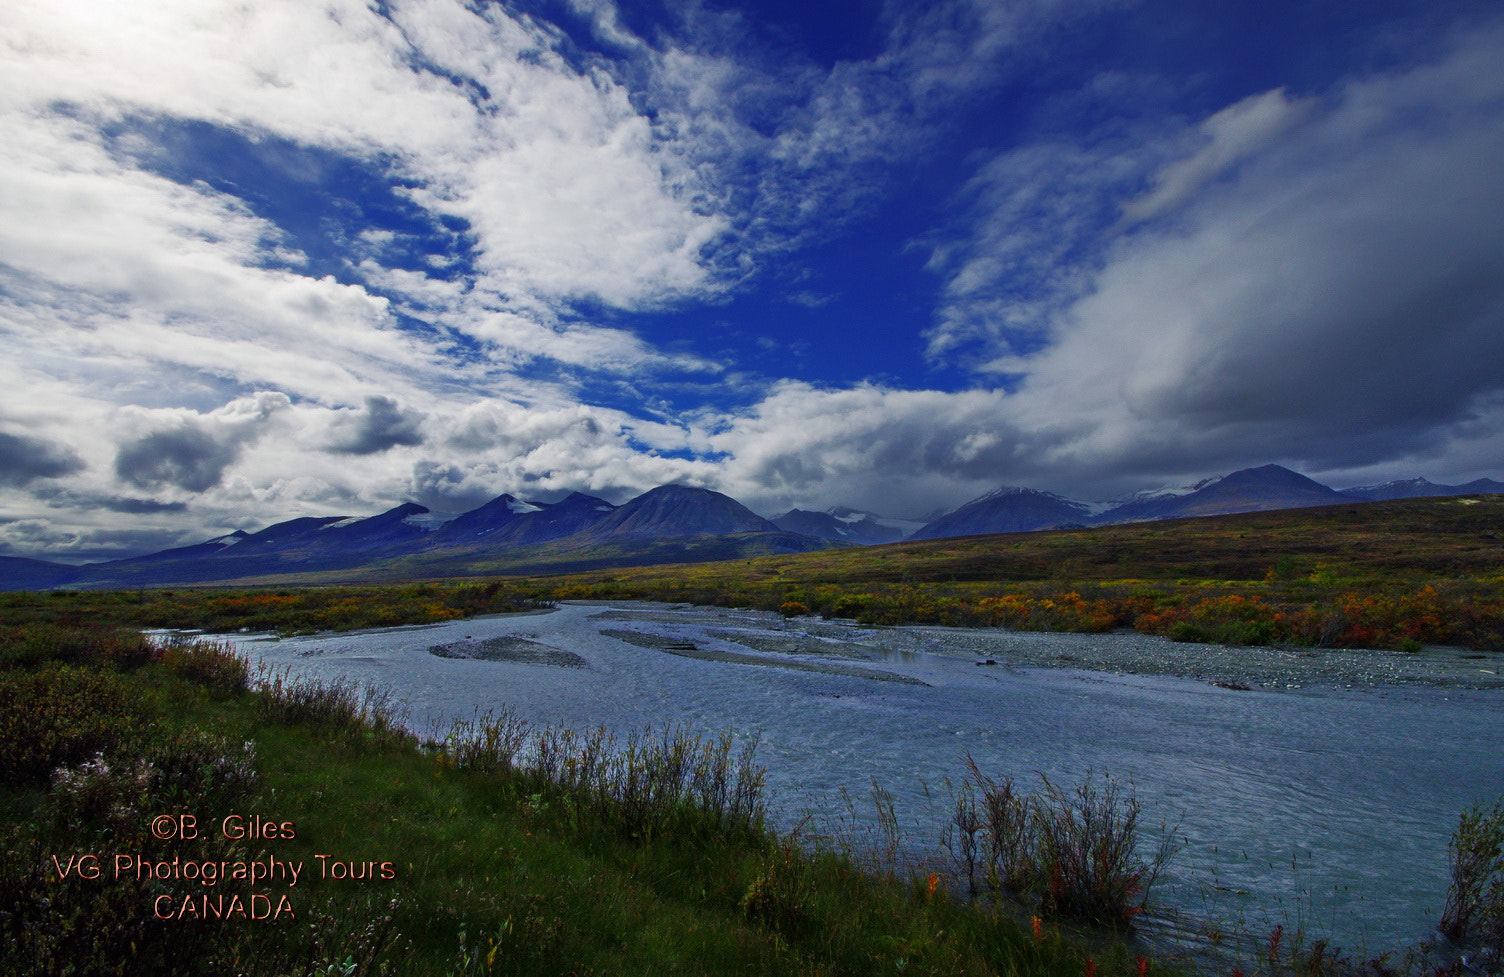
x=1386 y=574
x=589 y=857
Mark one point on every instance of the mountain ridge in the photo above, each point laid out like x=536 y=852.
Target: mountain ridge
x=670 y=523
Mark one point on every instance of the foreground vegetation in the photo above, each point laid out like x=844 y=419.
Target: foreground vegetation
x=504 y=850
x=1390 y=574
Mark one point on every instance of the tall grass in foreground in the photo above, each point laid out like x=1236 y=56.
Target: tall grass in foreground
x=1474 y=910
x=337 y=705
x=1072 y=853
x=634 y=784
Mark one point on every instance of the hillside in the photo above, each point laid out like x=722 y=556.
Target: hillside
x=1430 y=538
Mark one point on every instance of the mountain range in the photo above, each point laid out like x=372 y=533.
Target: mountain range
x=1269 y=487
x=668 y=524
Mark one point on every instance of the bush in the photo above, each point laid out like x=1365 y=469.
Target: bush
x=636 y=786
x=100 y=795
x=213 y=664
x=61 y=716
x=1073 y=853
x=1474 y=909
x=647 y=782
x=489 y=743
x=198 y=767
x=56 y=922
x=32 y=645
x=1188 y=632
x=339 y=705
x=780 y=894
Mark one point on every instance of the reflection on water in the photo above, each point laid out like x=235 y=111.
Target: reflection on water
x=1325 y=810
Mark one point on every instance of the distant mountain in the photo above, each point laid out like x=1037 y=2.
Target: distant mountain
x=208 y=549
x=678 y=510
x=393 y=529
x=19 y=573
x=1007 y=510
x=1266 y=488
x=308 y=544
x=1412 y=488
x=1248 y=490
x=672 y=523
x=839 y=523
x=507 y=520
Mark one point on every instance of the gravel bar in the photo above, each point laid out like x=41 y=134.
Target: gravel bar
x=1126 y=652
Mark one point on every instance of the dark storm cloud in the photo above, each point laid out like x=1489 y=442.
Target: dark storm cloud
x=383 y=425
x=140 y=506
x=192 y=451
x=24 y=459
x=189 y=458
x=60 y=498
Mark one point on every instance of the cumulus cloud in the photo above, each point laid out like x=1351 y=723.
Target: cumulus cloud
x=894 y=451
x=382 y=425
x=26 y=536
x=497 y=446
x=24 y=459
x=190 y=458
x=189 y=451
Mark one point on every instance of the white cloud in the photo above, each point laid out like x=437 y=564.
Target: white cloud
x=893 y=451
x=167 y=449
x=1337 y=303
x=567 y=189
x=1231 y=135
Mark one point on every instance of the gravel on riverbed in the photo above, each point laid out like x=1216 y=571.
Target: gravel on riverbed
x=1121 y=652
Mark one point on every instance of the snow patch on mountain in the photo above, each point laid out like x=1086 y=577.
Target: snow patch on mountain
x=429 y=521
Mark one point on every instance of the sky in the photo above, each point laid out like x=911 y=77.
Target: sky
x=262 y=259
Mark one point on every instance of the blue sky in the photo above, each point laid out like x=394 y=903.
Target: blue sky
x=277 y=258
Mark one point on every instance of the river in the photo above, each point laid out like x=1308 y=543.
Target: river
x=1324 y=808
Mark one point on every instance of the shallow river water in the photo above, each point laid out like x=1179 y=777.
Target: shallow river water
x=1326 y=809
